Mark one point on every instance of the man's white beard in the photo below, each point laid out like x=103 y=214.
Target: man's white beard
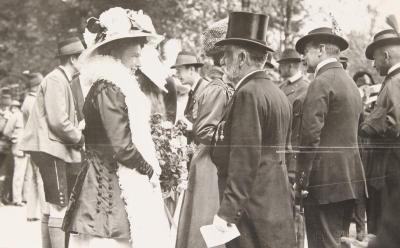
x=232 y=73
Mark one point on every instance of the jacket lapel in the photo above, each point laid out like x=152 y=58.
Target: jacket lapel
x=329 y=66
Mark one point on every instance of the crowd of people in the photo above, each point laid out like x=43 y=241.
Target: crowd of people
x=284 y=159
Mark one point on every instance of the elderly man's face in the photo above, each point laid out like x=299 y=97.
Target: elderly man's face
x=311 y=57
x=230 y=63
x=381 y=61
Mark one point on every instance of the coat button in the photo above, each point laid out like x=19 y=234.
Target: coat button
x=99 y=194
x=101 y=170
x=239 y=214
x=110 y=203
x=109 y=179
x=97 y=210
x=98 y=202
x=100 y=186
x=110 y=212
x=110 y=195
x=109 y=188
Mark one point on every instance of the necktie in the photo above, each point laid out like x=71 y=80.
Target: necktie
x=189 y=102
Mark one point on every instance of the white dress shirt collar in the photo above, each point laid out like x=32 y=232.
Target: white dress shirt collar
x=394 y=67
x=248 y=75
x=322 y=63
x=295 y=77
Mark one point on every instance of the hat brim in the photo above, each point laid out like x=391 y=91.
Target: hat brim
x=241 y=41
x=330 y=38
x=188 y=64
x=369 y=52
x=68 y=54
x=92 y=51
x=289 y=60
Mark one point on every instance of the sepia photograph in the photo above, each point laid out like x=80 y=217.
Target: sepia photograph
x=199 y=124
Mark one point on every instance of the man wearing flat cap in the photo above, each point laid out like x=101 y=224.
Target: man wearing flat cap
x=382 y=128
x=52 y=136
x=252 y=174
x=329 y=165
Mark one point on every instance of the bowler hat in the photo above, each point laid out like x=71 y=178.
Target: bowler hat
x=323 y=34
x=383 y=38
x=248 y=29
x=268 y=63
x=69 y=47
x=187 y=58
x=289 y=55
x=35 y=78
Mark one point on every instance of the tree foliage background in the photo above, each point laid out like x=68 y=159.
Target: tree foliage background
x=30 y=29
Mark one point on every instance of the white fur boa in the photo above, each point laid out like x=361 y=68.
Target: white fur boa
x=144 y=205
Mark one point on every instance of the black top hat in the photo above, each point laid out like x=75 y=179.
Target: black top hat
x=186 y=58
x=323 y=34
x=69 y=47
x=290 y=55
x=247 y=28
x=383 y=38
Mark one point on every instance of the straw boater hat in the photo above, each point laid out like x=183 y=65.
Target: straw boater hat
x=248 y=29
x=116 y=24
x=69 y=46
x=383 y=38
x=186 y=58
x=289 y=55
x=216 y=32
x=322 y=35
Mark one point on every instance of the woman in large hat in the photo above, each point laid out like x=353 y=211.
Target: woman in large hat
x=201 y=200
x=117 y=199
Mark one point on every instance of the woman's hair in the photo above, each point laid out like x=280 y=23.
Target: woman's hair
x=360 y=74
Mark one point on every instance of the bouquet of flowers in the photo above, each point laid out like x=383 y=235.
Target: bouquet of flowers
x=173 y=153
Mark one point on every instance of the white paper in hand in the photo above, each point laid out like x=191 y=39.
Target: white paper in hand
x=214 y=237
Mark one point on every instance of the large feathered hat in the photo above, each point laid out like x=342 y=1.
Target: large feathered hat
x=115 y=24
x=216 y=32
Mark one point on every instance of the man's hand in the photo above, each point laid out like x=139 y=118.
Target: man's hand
x=82 y=125
x=220 y=224
x=296 y=189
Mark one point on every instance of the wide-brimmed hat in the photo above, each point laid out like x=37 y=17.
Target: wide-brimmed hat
x=116 y=24
x=289 y=55
x=248 y=29
x=69 y=46
x=214 y=33
x=382 y=38
x=268 y=62
x=35 y=78
x=186 y=58
x=322 y=35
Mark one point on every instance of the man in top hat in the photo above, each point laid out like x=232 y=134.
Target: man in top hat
x=382 y=127
x=329 y=165
x=34 y=182
x=187 y=67
x=52 y=136
x=252 y=174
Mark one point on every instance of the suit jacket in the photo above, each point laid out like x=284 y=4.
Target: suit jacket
x=192 y=104
x=52 y=124
x=296 y=92
x=382 y=126
x=329 y=155
x=255 y=193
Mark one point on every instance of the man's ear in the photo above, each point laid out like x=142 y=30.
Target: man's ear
x=387 y=55
x=321 y=49
x=242 y=58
